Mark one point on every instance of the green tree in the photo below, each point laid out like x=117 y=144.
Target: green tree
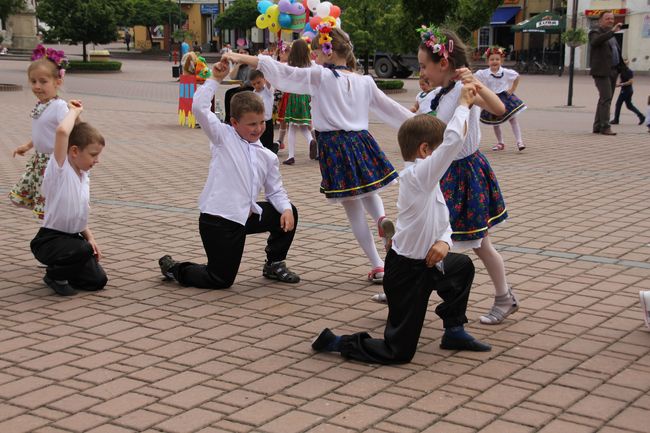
x=150 y=13
x=80 y=21
x=10 y=7
x=239 y=15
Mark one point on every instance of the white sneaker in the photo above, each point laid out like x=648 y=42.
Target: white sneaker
x=644 y=295
x=379 y=298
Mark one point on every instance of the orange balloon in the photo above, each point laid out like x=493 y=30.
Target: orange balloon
x=314 y=21
x=335 y=11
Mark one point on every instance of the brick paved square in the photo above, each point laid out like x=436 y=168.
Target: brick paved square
x=148 y=356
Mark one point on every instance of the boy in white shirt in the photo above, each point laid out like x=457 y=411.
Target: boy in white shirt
x=239 y=168
x=263 y=89
x=419 y=261
x=65 y=244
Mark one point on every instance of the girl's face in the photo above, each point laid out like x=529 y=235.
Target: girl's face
x=44 y=85
x=424 y=85
x=437 y=74
x=494 y=61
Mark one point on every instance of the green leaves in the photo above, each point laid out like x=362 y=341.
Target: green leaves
x=239 y=15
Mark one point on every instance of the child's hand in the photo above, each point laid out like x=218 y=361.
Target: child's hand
x=437 y=252
x=21 y=150
x=286 y=220
x=220 y=70
x=75 y=105
x=465 y=76
x=468 y=94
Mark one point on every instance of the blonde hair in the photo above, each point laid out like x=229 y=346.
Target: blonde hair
x=341 y=45
x=422 y=128
x=46 y=64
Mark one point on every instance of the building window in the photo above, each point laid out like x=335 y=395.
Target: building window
x=483 y=38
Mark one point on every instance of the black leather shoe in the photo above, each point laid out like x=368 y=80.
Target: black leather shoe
x=613 y=122
x=641 y=120
x=474 y=345
x=62 y=289
x=607 y=131
x=325 y=338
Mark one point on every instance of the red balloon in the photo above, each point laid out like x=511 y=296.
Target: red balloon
x=315 y=21
x=335 y=11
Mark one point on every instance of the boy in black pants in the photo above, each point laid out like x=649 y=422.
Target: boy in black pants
x=419 y=261
x=239 y=168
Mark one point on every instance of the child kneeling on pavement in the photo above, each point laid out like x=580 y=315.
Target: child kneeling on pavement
x=418 y=260
x=64 y=243
x=239 y=168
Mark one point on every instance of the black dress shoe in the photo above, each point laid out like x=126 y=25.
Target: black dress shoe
x=607 y=131
x=641 y=120
x=325 y=339
x=473 y=345
x=613 y=122
x=596 y=131
x=64 y=289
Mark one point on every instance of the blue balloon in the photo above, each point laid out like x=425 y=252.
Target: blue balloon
x=308 y=28
x=264 y=5
x=285 y=20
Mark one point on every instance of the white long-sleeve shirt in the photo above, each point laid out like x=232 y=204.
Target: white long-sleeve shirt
x=67 y=197
x=44 y=127
x=499 y=82
x=337 y=103
x=238 y=169
x=422 y=214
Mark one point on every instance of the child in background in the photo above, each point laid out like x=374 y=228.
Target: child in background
x=625 y=95
x=65 y=243
x=298 y=112
x=45 y=75
x=419 y=261
x=282 y=56
x=239 y=168
x=470 y=186
x=353 y=167
x=423 y=99
x=503 y=82
x=263 y=90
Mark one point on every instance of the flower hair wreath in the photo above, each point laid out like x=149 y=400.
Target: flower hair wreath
x=495 y=50
x=324 y=29
x=436 y=41
x=55 y=56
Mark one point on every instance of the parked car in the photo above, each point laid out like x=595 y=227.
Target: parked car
x=388 y=65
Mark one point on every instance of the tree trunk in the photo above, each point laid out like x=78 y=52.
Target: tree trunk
x=85 y=54
x=366 y=61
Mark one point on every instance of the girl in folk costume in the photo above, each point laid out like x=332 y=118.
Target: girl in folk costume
x=470 y=186
x=353 y=167
x=503 y=82
x=45 y=75
x=283 y=56
x=298 y=112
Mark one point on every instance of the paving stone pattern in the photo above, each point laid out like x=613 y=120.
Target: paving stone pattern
x=149 y=356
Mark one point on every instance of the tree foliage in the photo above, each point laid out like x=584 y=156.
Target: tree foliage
x=80 y=21
x=239 y=15
x=9 y=7
x=149 y=13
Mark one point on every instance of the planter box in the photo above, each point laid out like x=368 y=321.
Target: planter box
x=100 y=56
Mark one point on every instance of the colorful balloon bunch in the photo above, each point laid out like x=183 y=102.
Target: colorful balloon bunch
x=285 y=15
x=325 y=16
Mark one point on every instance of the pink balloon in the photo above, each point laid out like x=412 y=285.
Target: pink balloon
x=315 y=21
x=335 y=11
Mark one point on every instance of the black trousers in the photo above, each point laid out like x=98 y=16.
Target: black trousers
x=408 y=285
x=267 y=137
x=68 y=257
x=605 y=86
x=626 y=97
x=223 y=241
x=228 y=96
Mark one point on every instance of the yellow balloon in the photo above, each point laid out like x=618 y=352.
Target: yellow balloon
x=262 y=22
x=330 y=20
x=270 y=19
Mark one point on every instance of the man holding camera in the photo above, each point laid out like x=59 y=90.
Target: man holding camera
x=605 y=62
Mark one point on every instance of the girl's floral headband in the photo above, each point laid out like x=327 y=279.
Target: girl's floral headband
x=495 y=50
x=324 y=29
x=55 y=56
x=436 y=41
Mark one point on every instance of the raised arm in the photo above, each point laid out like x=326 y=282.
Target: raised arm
x=202 y=102
x=387 y=109
x=302 y=81
x=63 y=131
x=485 y=98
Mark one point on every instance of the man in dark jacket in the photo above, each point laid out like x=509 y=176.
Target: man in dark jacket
x=605 y=61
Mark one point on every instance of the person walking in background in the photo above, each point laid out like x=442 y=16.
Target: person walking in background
x=604 y=62
x=127 y=40
x=625 y=96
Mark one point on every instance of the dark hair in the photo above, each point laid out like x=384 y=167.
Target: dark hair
x=421 y=128
x=458 y=57
x=255 y=74
x=299 y=54
x=245 y=102
x=83 y=134
x=341 y=45
x=44 y=63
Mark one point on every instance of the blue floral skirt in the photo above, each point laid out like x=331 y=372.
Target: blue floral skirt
x=473 y=197
x=352 y=164
x=513 y=106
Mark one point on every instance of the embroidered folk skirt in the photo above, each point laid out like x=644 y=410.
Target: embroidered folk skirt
x=298 y=109
x=513 y=105
x=27 y=192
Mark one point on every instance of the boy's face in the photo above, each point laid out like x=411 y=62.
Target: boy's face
x=86 y=158
x=258 y=84
x=250 y=126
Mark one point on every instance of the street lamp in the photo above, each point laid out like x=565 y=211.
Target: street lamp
x=572 y=53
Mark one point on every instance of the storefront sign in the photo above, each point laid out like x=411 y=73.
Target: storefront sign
x=597 y=12
x=211 y=9
x=547 y=22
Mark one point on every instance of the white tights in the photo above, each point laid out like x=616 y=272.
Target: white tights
x=494 y=265
x=356 y=212
x=291 y=136
x=516 y=130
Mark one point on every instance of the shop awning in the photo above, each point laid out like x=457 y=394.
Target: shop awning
x=546 y=22
x=504 y=15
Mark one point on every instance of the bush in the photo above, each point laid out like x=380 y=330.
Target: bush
x=575 y=37
x=80 y=66
x=389 y=84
